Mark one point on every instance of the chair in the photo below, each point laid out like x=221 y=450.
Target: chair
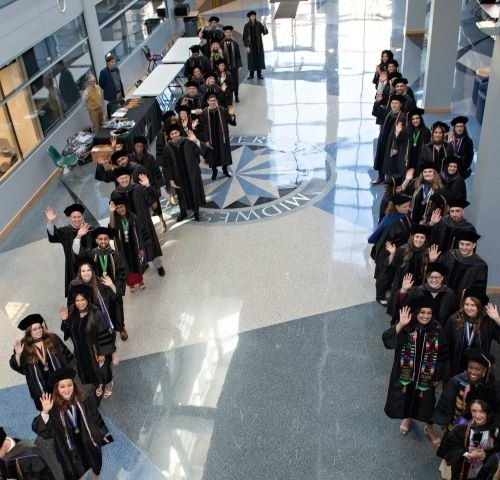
x=62 y=161
x=152 y=58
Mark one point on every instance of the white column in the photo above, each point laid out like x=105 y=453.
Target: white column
x=96 y=48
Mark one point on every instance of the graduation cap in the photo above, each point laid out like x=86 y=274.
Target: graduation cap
x=422 y=302
x=121 y=200
x=141 y=139
x=209 y=74
x=392 y=61
x=168 y=114
x=438 y=200
x=468 y=236
x=391 y=76
x=221 y=61
x=416 y=111
x=399 y=98
x=228 y=27
x=191 y=84
x=452 y=159
x=437 y=267
x=251 y=12
x=422 y=229
x=209 y=95
x=85 y=261
x=174 y=127
x=184 y=108
x=427 y=165
x=442 y=125
x=31 y=320
x=116 y=155
x=3 y=436
x=75 y=207
x=400 y=80
x=213 y=18
x=118 y=172
x=102 y=231
x=454 y=203
x=400 y=199
x=65 y=373
x=195 y=48
x=476 y=293
x=483 y=394
x=476 y=355
x=393 y=180
x=81 y=289
x=459 y=119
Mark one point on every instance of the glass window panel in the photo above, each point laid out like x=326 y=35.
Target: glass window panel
x=47 y=99
x=9 y=154
x=12 y=76
x=107 y=8
x=25 y=120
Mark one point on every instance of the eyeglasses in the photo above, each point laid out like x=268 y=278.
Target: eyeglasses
x=434 y=277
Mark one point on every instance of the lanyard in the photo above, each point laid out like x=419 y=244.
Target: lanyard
x=415 y=136
x=40 y=353
x=103 y=260
x=72 y=415
x=125 y=224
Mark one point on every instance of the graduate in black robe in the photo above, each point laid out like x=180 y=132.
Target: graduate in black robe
x=453 y=182
x=191 y=99
x=232 y=57
x=387 y=160
x=475 y=325
x=461 y=144
x=140 y=198
x=196 y=60
x=71 y=418
x=466 y=268
x=420 y=346
x=437 y=149
x=215 y=121
x=22 y=460
x=212 y=33
x=65 y=236
x=446 y=230
x=38 y=355
x=400 y=86
x=252 y=39
x=181 y=169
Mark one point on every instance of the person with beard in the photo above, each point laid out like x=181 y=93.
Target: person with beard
x=466 y=268
x=65 y=236
x=141 y=156
x=37 y=355
x=129 y=241
x=413 y=257
x=92 y=339
x=420 y=361
x=119 y=159
x=196 y=60
x=400 y=86
x=181 y=169
x=21 y=460
x=475 y=325
x=410 y=142
x=71 y=418
x=191 y=99
x=385 y=56
x=453 y=181
x=469 y=446
x=211 y=88
x=215 y=121
x=109 y=266
x=140 y=198
x=232 y=55
x=386 y=156
x=395 y=228
x=211 y=33
x=437 y=149
x=446 y=230
x=461 y=144
x=252 y=39
x=444 y=298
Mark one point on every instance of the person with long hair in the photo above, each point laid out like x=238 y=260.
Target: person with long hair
x=38 y=354
x=475 y=325
x=469 y=444
x=92 y=339
x=420 y=361
x=437 y=149
x=225 y=81
x=385 y=56
x=186 y=122
x=71 y=418
x=461 y=144
x=453 y=182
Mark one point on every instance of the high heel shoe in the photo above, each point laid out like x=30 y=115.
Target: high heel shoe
x=405 y=426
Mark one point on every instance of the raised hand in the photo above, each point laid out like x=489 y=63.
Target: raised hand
x=230 y=110
x=83 y=230
x=195 y=123
x=113 y=142
x=112 y=207
x=404 y=316
x=47 y=403
x=492 y=312
x=173 y=184
x=191 y=136
x=63 y=313
x=410 y=174
x=223 y=87
x=436 y=216
x=144 y=180
x=407 y=282
x=434 y=253
x=106 y=280
x=399 y=127
x=50 y=215
x=390 y=247
x=18 y=347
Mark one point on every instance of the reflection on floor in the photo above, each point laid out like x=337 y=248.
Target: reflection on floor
x=259 y=355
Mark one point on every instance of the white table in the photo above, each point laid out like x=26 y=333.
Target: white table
x=161 y=78
x=491 y=9
x=179 y=52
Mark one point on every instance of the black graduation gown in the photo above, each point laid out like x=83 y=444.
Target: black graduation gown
x=252 y=37
x=445 y=233
x=130 y=249
x=152 y=169
x=212 y=89
x=91 y=337
x=464 y=272
x=410 y=402
x=200 y=61
x=463 y=147
x=194 y=103
x=431 y=154
x=232 y=56
x=384 y=162
x=107 y=176
x=86 y=452
x=25 y=462
x=216 y=132
x=445 y=302
x=65 y=236
x=36 y=376
x=409 y=149
x=454 y=186
x=227 y=95
x=482 y=340
x=181 y=163
x=422 y=205
x=140 y=199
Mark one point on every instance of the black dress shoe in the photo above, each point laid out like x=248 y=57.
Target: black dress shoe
x=260 y=77
x=237 y=99
x=197 y=216
x=161 y=272
x=181 y=217
x=250 y=76
x=214 y=175
x=377 y=181
x=227 y=174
